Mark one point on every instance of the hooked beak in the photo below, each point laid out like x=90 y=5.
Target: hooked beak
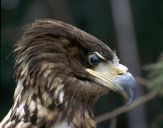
x=116 y=78
x=127 y=83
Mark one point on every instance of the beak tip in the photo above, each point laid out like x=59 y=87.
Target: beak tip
x=128 y=84
x=131 y=97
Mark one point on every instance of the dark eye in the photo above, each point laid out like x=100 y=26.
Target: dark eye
x=93 y=59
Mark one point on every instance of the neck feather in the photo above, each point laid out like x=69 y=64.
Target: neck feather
x=35 y=107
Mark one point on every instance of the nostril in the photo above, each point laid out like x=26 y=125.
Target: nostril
x=120 y=74
x=121 y=69
x=123 y=72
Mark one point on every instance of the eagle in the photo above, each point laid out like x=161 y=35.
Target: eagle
x=61 y=71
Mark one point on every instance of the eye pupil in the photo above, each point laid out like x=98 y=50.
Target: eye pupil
x=94 y=60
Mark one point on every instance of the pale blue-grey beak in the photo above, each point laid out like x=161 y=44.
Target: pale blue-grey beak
x=128 y=84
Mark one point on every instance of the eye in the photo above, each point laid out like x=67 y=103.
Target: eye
x=93 y=59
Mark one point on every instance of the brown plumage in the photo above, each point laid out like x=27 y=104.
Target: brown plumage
x=57 y=70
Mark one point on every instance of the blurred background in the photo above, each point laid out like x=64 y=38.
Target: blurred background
x=133 y=28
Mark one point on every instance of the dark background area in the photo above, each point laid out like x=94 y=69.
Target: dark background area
x=95 y=17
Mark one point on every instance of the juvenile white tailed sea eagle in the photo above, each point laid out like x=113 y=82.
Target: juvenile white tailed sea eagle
x=60 y=72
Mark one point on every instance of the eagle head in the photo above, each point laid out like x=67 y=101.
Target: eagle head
x=60 y=72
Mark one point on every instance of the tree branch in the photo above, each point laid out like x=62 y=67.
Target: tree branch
x=126 y=108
